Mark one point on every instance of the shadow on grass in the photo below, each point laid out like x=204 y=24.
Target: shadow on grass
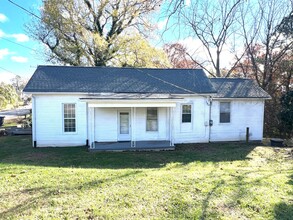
x=47 y=193
x=283 y=211
x=18 y=150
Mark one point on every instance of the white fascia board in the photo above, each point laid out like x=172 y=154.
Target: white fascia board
x=132 y=103
x=56 y=93
x=240 y=99
x=122 y=105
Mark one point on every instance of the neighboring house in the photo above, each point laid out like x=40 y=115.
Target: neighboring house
x=141 y=108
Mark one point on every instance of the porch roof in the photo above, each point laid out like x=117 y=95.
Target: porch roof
x=131 y=100
x=130 y=103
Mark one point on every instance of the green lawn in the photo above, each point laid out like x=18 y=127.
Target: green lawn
x=217 y=181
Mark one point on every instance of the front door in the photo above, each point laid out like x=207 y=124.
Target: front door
x=123 y=126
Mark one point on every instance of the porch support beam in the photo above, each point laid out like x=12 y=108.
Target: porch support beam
x=133 y=127
x=92 y=126
x=171 y=125
x=128 y=105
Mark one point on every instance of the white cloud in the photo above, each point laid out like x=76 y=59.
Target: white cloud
x=2 y=34
x=3 y=18
x=6 y=77
x=198 y=51
x=162 y=24
x=20 y=37
x=187 y=2
x=4 y=52
x=17 y=37
x=19 y=59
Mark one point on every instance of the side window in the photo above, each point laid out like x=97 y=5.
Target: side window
x=186 y=113
x=225 y=112
x=69 y=118
x=152 y=119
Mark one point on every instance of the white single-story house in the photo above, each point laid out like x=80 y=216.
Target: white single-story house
x=110 y=108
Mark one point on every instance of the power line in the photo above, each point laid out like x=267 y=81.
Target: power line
x=18 y=44
x=27 y=11
x=7 y=70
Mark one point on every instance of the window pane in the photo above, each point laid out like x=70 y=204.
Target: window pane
x=186 y=113
x=224 y=112
x=124 y=123
x=69 y=117
x=225 y=107
x=69 y=125
x=152 y=125
x=152 y=113
x=152 y=119
x=224 y=117
x=186 y=109
x=186 y=118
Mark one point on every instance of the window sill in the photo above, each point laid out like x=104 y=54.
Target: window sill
x=69 y=133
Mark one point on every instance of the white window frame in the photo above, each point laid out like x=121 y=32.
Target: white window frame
x=191 y=111
x=63 y=119
x=146 y=124
x=229 y=112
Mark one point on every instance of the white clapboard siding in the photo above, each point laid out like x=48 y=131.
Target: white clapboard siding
x=101 y=124
x=106 y=124
x=140 y=126
x=49 y=121
x=243 y=114
x=197 y=130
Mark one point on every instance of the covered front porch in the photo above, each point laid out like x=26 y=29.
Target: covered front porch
x=130 y=124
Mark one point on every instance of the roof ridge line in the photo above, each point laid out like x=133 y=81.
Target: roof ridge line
x=164 y=81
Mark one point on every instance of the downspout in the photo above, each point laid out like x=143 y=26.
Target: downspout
x=34 y=121
x=210 y=117
x=87 y=125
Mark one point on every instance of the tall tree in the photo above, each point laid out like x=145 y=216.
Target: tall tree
x=271 y=47
x=18 y=83
x=179 y=56
x=286 y=113
x=213 y=23
x=8 y=95
x=87 y=32
x=268 y=58
x=135 y=51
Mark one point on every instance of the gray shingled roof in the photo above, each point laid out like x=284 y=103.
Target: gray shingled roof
x=118 y=80
x=237 y=88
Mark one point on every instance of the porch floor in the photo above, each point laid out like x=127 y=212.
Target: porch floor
x=126 y=146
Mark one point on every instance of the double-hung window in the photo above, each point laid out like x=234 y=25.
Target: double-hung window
x=69 y=118
x=152 y=119
x=186 y=113
x=225 y=112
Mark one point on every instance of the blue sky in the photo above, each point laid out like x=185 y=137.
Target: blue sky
x=17 y=50
x=14 y=58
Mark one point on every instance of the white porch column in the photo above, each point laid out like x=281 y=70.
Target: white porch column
x=171 y=126
x=92 y=126
x=133 y=127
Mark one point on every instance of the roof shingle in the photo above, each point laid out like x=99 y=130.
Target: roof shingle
x=118 y=80
x=139 y=80
x=237 y=88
